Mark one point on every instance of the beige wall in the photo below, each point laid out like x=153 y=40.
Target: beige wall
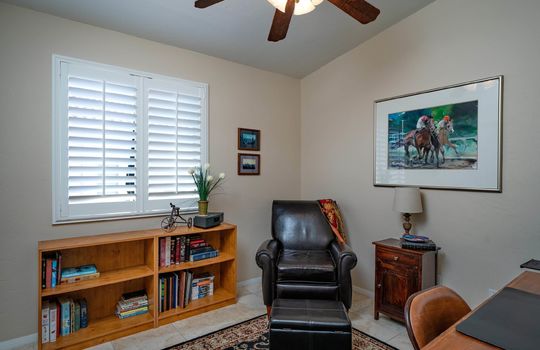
x=240 y=96
x=484 y=236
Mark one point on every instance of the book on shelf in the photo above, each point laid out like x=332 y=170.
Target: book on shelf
x=86 y=277
x=84 y=313
x=202 y=286
x=77 y=316
x=177 y=289
x=70 y=316
x=69 y=272
x=52 y=321
x=204 y=255
x=51 y=265
x=54 y=272
x=45 y=322
x=178 y=249
x=48 y=271
x=132 y=304
x=65 y=314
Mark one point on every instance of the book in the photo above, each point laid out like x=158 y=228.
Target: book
x=187 y=294
x=54 y=272
x=123 y=306
x=132 y=295
x=161 y=294
x=71 y=316
x=58 y=267
x=167 y=251
x=201 y=250
x=78 y=271
x=80 y=278
x=202 y=289
x=77 y=314
x=178 y=248
x=173 y=250
x=162 y=244
x=84 y=313
x=43 y=273
x=202 y=256
x=58 y=318
x=429 y=245
x=182 y=288
x=52 y=321
x=48 y=273
x=64 y=316
x=134 y=313
x=45 y=322
x=182 y=248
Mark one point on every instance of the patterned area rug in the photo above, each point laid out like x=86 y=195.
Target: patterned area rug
x=253 y=335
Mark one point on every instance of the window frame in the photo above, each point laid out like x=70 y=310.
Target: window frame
x=60 y=201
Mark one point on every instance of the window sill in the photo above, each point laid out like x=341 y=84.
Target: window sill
x=115 y=218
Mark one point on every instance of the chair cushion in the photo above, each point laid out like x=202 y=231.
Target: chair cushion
x=306 y=266
x=314 y=315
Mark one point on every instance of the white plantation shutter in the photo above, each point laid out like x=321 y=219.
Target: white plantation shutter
x=176 y=119
x=124 y=142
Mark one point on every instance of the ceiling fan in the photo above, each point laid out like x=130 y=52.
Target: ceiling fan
x=360 y=10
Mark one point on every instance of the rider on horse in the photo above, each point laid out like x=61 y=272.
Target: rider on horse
x=444 y=123
x=425 y=121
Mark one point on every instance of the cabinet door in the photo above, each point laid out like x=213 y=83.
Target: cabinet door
x=394 y=286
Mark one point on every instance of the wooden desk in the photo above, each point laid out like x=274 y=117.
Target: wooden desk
x=451 y=339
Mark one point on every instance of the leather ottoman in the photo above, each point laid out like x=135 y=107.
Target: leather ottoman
x=302 y=324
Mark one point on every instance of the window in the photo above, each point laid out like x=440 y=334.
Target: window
x=124 y=141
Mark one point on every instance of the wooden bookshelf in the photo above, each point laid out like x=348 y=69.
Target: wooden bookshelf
x=127 y=262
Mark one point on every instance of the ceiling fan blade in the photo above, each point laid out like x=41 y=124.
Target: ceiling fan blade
x=205 y=3
x=360 y=10
x=281 y=21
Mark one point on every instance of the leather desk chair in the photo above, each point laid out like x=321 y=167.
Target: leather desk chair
x=303 y=260
x=430 y=312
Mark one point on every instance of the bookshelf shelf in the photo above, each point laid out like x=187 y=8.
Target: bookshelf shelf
x=129 y=261
x=105 y=278
x=223 y=257
x=101 y=328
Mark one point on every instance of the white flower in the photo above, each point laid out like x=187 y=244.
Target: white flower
x=206 y=166
x=210 y=178
x=222 y=176
x=191 y=171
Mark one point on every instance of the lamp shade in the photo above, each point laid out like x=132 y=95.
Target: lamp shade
x=407 y=200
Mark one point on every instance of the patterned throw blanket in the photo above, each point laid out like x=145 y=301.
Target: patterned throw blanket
x=331 y=211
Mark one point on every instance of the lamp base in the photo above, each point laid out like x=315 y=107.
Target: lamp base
x=407 y=223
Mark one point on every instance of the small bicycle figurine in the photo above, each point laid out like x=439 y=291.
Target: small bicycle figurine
x=168 y=224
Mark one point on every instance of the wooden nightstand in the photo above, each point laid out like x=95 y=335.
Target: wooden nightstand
x=399 y=273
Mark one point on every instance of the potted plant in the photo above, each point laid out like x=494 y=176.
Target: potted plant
x=205 y=184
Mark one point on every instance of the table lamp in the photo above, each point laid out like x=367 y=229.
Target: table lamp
x=407 y=201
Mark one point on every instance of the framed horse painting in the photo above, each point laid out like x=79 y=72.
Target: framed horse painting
x=447 y=138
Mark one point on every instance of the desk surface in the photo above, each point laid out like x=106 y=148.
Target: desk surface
x=451 y=339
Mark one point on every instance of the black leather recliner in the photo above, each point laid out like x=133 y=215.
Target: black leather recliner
x=303 y=260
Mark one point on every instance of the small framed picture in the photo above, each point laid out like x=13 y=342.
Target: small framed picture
x=249 y=164
x=249 y=139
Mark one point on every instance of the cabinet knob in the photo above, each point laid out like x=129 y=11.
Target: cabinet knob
x=379 y=285
x=396 y=258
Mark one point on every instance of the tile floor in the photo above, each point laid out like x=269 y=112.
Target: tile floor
x=250 y=305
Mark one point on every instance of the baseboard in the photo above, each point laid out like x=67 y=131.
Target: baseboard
x=363 y=291
x=248 y=282
x=18 y=342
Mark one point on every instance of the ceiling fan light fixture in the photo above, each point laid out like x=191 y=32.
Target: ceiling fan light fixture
x=301 y=7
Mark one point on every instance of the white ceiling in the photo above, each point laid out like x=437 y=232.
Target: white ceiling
x=235 y=30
